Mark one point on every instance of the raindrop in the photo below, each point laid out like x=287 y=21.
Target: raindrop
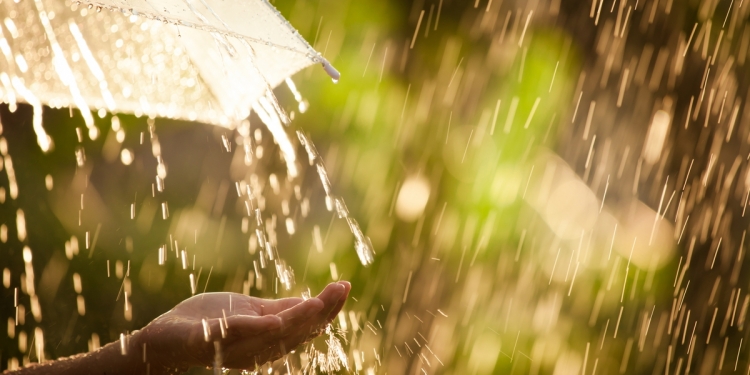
x=126 y=156
x=48 y=182
x=80 y=156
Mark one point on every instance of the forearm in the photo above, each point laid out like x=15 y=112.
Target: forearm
x=114 y=358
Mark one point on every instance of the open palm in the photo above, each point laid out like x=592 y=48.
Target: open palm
x=236 y=330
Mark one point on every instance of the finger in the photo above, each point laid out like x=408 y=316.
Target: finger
x=332 y=294
x=269 y=306
x=238 y=327
x=245 y=324
x=300 y=313
x=335 y=294
x=317 y=326
x=341 y=302
x=309 y=323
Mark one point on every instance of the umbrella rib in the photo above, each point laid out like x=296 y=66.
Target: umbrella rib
x=317 y=57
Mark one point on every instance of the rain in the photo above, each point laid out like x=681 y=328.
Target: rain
x=511 y=187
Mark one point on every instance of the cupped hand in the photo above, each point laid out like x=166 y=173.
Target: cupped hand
x=247 y=331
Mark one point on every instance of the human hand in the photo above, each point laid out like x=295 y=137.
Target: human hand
x=248 y=331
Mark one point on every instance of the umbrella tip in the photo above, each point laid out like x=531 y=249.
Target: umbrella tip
x=331 y=71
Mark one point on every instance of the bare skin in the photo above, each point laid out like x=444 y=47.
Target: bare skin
x=204 y=331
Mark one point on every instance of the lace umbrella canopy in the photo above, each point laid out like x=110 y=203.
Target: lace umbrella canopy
x=198 y=60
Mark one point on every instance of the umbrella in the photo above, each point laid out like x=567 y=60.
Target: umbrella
x=198 y=60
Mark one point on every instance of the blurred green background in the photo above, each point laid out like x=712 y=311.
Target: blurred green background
x=477 y=113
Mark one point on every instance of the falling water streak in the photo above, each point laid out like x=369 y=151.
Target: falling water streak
x=525 y=26
x=604 y=335
x=625 y=23
x=511 y=115
x=617 y=326
x=460 y=264
x=624 y=284
x=429 y=20
x=575 y=112
x=205 y=286
x=531 y=114
x=589 y=117
x=604 y=196
x=732 y=121
x=591 y=152
x=527 y=183
x=552 y=273
x=573 y=279
x=416 y=30
x=363 y=245
x=455 y=71
x=682 y=299
x=368 y=60
x=663 y=213
x=494 y=119
x=406 y=289
x=43 y=140
x=690 y=107
x=382 y=67
x=557 y=64
x=684 y=184
x=514 y=346
x=718 y=246
x=586 y=355
x=642 y=342
x=739 y=349
x=301 y=102
x=656 y=219
x=440 y=218
x=612 y=243
x=598 y=12
x=468 y=142
x=272 y=120
x=716 y=48
x=622 y=87
x=677 y=274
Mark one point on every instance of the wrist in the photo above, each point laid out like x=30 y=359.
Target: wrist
x=145 y=354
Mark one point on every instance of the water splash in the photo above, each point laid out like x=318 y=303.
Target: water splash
x=334 y=359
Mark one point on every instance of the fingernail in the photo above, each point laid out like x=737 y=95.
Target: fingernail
x=338 y=292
